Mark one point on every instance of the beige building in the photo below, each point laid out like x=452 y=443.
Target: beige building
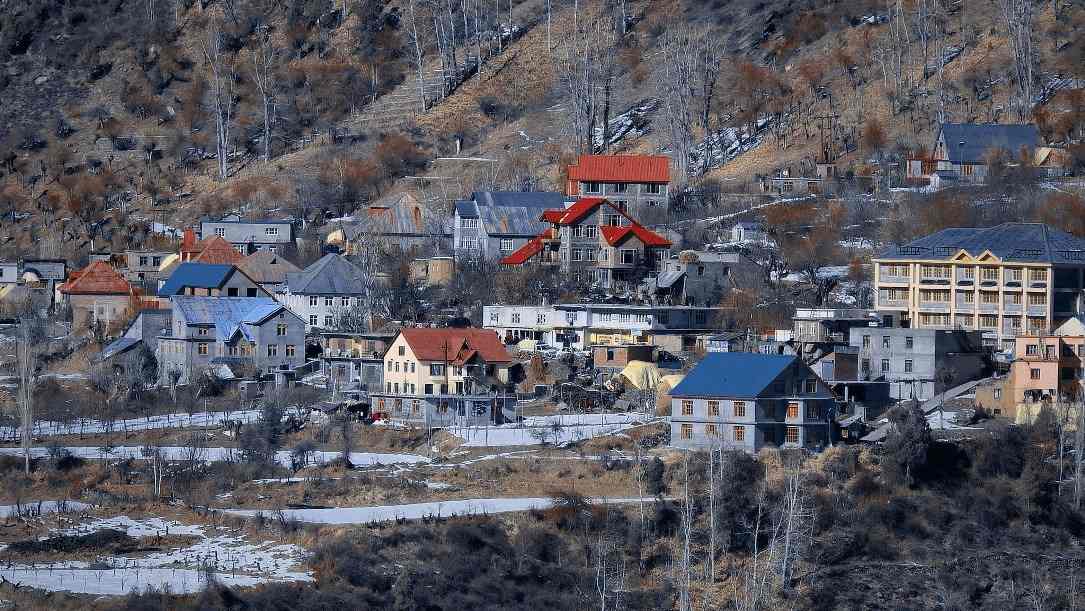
x=1008 y=280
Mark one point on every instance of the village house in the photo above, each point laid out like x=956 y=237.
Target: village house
x=493 y=224
x=748 y=401
x=144 y=266
x=211 y=281
x=254 y=334
x=910 y=359
x=440 y=377
x=963 y=152
x=144 y=330
x=638 y=183
x=248 y=237
x=267 y=269
x=99 y=294
x=324 y=291
x=215 y=250
x=1011 y=279
x=748 y=232
x=353 y=360
x=32 y=279
x=595 y=241
x=395 y=221
x=613 y=359
x=693 y=277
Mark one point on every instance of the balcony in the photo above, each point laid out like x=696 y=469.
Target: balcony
x=893 y=303
x=1013 y=308
x=987 y=308
x=965 y=307
x=934 y=306
x=1037 y=286
x=934 y=280
x=1037 y=310
x=894 y=279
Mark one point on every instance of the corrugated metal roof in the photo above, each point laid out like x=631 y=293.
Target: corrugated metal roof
x=621 y=168
x=195 y=275
x=542 y=200
x=972 y=142
x=332 y=275
x=666 y=279
x=118 y=346
x=1026 y=242
x=733 y=374
x=229 y=315
x=266 y=267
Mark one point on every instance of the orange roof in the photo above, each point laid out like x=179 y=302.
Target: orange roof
x=98 y=278
x=552 y=216
x=454 y=345
x=216 y=250
x=621 y=168
x=521 y=255
x=616 y=235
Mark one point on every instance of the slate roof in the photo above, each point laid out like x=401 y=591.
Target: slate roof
x=98 y=278
x=733 y=374
x=621 y=168
x=266 y=267
x=462 y=344
x=229 y=315
x=971 y=142
x=195 y=275
x=1026 y=242
x=332 y=275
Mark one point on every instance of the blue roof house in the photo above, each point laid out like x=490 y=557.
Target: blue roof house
x=493 y=224
x=748 y=401
x=965 y=149
x=210 y=280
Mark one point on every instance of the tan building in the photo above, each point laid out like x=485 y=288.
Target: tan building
x=98 y=293
x=1008 y=280
x=432 y=271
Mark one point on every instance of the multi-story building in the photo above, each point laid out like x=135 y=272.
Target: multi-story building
x=1015 y=278
x=594 y=240
x=210 y=281
x=582 y=325
x=638 y=183
x=255 y=333
x=249 y=236
x=693 y=277
x=144 y=265
x=493 y=224
x=748 y=401
x=354 y=359
x=911 y=359
x=99 y=294
x=439 y=377
x=324 y=290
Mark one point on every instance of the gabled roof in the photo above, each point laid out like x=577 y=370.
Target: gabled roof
x=616 y=235
x=583 y=207
x=332 y=275
x=266 y=267
x=971 y=142
x=195 y=275
x=510 y=213
x=1022 y=242
x=733 y=374
x=215 y=250
x=455 y=345
x=621 y=168
x=98 y=278
x=229 y=315
x=521 y=255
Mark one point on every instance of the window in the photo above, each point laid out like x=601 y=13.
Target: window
x=885 y=342
x=1034 y=374
x=515 y=318
x=540 y=318
x=144 y=261
x=866 y=365
x=220 y=231
x=231 y=291
x=1037 y=299
x=494 y=317
x=312 y=320
x=202 y=331
x=589 y=231
x=1038 y=275
x=989 y=297
x=468 y=223
x=988 y=321
x=621 y=187
x=412 y=367
x=712 y=430
x=327 y=321
x=577 y=254
x=328 y=301
x=792 y=410
x=272 y=231
x=428 y=389
x=1032 y=350
x=885 y=365
x=653 y=189
x=687 y=408
x=739 y=433
x=866 y=341
x=792 y=435
x=592 y=187
x=397 y=366
x=990 y=273
x=968 y=273
x=687 y=431
x=506 y=245
x=909 y=342
x=908 y=366
x=312 y=301
x=280 y=329
x=811 y=411
x=811 y=386
x=998 y=393
x=1013 y=274
x=713 y=408
x=468 y=244
x=344 y=301
x=273 y=349
x=436 y=369
x=201 y=349
x=402 y=351
x=739 y=407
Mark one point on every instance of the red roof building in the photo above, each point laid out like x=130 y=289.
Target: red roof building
x=98 y=278
x=633 y=182
x=455 y=346
x=214 y=250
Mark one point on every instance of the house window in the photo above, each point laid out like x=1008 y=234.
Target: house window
x=866 y=365
x=280 y=330
x=312 y=320
x=201 y=331
x=312 y=301
x=273 y=349
x=811 y=386
x=739 y=433
x=621 y=187
x=653 y=189
x=515 y=318
x=990 y=273
x=589 y=231
x=909 y=342
x=327 y=321
x=328 y=301
x=885 y=365
x=577 y=254
x=687 y=431
x=792 y=435
x=344 y=301
x=713 y=408
x=412 y=367
x=416 y=407
x=506 y=245
x=402 y=351
x=469 y=223
x=273 y=231
x=811 y=412
x=792 y=411
x=220 y=231
x=494 y=317
x=885 y=342
x=397 y=366
x=143 y=261
x=201 y=349
x=998 y=393
x=428 y=389
x=629 y=256
x=540 y=318
x=740 y=409
x=1034 y=374
x=866 y=341
x=290 y=349
x=711 y=430
x=907 y=366
x=436 y=369
x=687 y=408
x=592 y=187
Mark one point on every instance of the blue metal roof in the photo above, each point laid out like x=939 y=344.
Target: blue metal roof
x=229 y=315
x=732 y=374
x=195 y=275
x=118 y=346
x=1025 y=242
x=973 y=142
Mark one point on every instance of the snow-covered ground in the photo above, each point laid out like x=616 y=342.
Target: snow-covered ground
x=416 y=511
x=232 y=559
x=829 y=271
x=47 y=428
x=179 y=453
x=557 y=430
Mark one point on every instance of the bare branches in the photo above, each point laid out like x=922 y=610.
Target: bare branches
x=1017 y=17
x=263 y=60
x=220 y=79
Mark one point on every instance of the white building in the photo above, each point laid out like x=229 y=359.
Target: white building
x=323 y=290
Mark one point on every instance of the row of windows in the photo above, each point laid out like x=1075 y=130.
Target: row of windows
x=427 y=389
x=987 y=273
x=738 y=409
x=271 y=231
x=623 y=187
x=329 y=301
x=414 y=408
x=887 y=342
x=314 y=320
x=204 y=348
x=909 y=366
x=435 y=369
x=738 y=433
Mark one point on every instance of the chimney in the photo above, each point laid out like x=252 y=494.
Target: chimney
x=189 y=239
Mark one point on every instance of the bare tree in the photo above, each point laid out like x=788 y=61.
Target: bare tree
x=220 y=80
x=1017 y=18
x=679 y=82
x=263 y=60
x=585 y=61
x=30 y=334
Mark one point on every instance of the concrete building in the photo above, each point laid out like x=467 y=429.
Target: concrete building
x=693 y=277
x=748 y=401
x=911 y=359
x=582 y=325
x=1015 y=278
x=493 y=224
x=637 y=183
x=144 y=265
x=247 y=334
x=354 y=360
x=249 y=236
x=613 y=359
x=324 y=290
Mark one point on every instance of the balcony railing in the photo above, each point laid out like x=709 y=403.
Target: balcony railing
x=893 y=303
x=1013 y=308
x=934 y=306
x=965 y=307
x=988 y=308
x=1037 y=310
x=895 y=279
